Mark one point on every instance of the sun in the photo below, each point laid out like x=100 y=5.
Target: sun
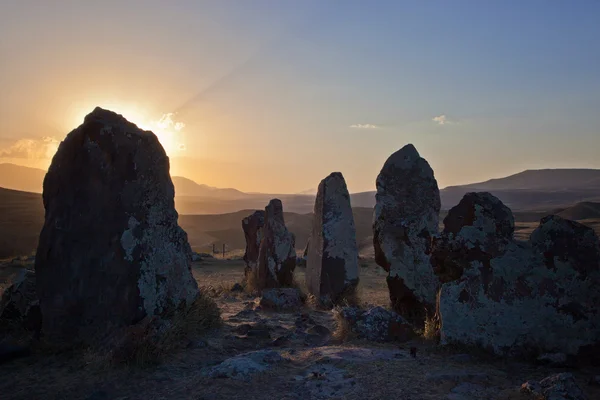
x=167 y=130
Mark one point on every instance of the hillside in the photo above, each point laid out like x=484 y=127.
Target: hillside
x=21 y=219
x=541 y=180
x=580 y=211
x=539 y=191
x=17 y=177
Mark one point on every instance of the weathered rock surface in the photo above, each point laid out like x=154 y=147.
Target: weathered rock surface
x=377 y=324
x=332 y=263
x=110 y=252
x=253 y=232
x=281 y=299
x=19 y=305
x=479 y=229
x=555 y=387
x=518 y=298
x=244 y=366
x=404 y=222
x=277 y=255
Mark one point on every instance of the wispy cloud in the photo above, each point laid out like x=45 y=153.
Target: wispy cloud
x=31 y=149
x=441 y=120
x=166 y=123
x=364 y=126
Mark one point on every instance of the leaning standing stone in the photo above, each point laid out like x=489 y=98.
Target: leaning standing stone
x=332 y=263
x=110 y=252
x=404 y=222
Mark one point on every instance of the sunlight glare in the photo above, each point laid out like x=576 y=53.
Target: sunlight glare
x=168 y=131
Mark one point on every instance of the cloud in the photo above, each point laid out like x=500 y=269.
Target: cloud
x=31 y=149
x=364 y=126
x=166 y=123
x=441 y=120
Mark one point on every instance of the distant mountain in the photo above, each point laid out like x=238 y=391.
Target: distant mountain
x=27 y=179
x=544 y=189
x=187 y=187
x=542 y=180
x=532 y=190
x=22 y=178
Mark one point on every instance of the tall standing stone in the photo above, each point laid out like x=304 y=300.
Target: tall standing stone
x=277 y=257
x=110 y=252
x=332 y=263
x=253 y=232
x=405 y=220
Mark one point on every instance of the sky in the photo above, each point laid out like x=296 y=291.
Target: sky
x=272 y=96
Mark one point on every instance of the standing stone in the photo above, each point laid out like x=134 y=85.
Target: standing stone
x=404 y=222
x=332 y=263
x=253 y=232
x=110 y=252
x=277 y=256
x=520 y=298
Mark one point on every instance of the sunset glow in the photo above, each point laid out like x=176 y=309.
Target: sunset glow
x=165 y=127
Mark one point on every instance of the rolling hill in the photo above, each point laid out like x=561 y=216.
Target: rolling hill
x=580 y=211
x=538 y=191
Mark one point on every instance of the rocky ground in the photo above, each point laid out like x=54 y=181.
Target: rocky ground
x=294 y=354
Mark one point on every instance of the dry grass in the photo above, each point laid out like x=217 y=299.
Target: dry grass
x=152 y=340
x=343 y=330
x=431 y=329
x=251 y=284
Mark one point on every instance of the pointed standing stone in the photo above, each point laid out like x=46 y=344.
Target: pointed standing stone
x=405 y=220
x=332 y=262
x=277 y=256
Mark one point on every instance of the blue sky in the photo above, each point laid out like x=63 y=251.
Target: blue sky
x=275 y=95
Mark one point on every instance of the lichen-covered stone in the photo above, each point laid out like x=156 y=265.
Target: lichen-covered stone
x=377 y=324
x=253 y=232
x=478 y=229
x=405 y=220
x=332 y=264
x=529 y=298
x=19 y=305
x=277 y=255
x=110 y=252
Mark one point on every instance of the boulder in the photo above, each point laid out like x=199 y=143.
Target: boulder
x=405 y=220
x=555 y=387
x=244 y=366
x=542 y=294
x=111 y=251
x=281 y=299
x=332 y=263
x=253 y=232
x=19 y=305
x=277 y=255
x=478 y=229
x=377 y=324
